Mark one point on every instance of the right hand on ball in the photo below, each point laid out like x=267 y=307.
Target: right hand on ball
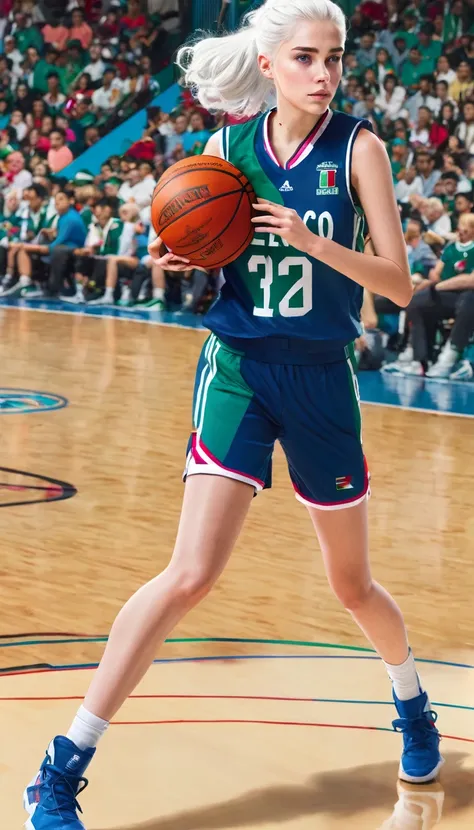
x=166 y=259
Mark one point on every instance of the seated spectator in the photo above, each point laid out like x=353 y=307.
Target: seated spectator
x=422 y=98
x=109 y=94
x=13 y=53
x=451 y=294
x=436 y=218
x=32 y=220
x=80 y=30
x=383 y=65
x=59 y=155
x=463 y=204
x=366 y=54
x=409 y=182
x=26 y=35
x=38 y=111
x=463 y=85
x=444 y=71
x=18 y=124
x=96 y=66
x=15 y=176
x=420 y=134
x=465 y=130
x=55 y=34
x=24 y=98
x=430 y=49
x=390 y=100
x=54 y=99
x=120 y=266
x=133 y=19
x=142 y=192
x=175 y=141
x=425 y=166
x=412 y=71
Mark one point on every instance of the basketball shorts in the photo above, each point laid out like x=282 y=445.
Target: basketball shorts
x=242 y=406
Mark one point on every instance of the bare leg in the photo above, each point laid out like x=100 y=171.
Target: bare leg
x=157 y=276
x=213 y=513
x=343 y=536
x=24 y=263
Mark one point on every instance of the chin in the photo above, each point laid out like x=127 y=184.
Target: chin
x=315 y=107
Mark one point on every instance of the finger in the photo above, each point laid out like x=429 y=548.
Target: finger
x=276 y=209
x=271 y=220
x=262 y=229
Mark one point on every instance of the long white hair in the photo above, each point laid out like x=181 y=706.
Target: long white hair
x=223 y=71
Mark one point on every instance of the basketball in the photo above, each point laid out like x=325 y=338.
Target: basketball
x=202 y=210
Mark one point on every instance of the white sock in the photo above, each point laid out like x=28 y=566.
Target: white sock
x=25 y=279
x=158 y=293
x=87 y=729
x=79 y=290
x=8 y=276
x=406 y=683
x=109 y=294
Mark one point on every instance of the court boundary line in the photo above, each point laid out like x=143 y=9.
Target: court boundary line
x=174 y=325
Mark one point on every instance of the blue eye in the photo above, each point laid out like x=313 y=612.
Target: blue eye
x=335 y=59
x=303 y=58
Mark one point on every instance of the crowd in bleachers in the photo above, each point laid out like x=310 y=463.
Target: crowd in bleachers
x=408 y=70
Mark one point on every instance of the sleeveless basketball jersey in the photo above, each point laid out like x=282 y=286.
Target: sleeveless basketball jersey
x=272 y=289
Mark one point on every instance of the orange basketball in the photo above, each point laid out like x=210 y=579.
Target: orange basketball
x=202 y=210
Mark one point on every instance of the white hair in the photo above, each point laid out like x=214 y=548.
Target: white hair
x=223 y=71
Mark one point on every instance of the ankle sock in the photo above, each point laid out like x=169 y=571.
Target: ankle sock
x=406 y=683
x=87 y=729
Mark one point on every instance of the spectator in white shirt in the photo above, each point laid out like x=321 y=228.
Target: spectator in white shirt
x=96 y=67
x=16 y=121
x=436 y=219
x=108 y=96
x=10 y=51
x=409 y=184
x=132 y=177
x=420 y=134
x=444 y=71
x=142 y=192
x=391 y=98
x=442 y=97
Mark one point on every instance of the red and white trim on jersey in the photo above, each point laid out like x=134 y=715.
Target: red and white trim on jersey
x=305 y=147
x=201 y=461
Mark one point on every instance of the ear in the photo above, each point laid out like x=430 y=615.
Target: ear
x=265 y=66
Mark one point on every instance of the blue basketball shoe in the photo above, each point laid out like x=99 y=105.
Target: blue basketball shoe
x=51 y=798
x=421 y=758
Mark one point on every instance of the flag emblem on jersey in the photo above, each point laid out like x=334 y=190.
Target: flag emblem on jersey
x=327 y=179
x=344 y=483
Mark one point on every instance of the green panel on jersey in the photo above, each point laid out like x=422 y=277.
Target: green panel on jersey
x=225 y=401
x=242 y=154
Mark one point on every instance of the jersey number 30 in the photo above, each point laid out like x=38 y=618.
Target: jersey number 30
x=304 y=285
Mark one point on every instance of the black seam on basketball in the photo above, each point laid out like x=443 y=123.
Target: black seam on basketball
x=172 y=178
x=234 y=255
x=221 y=232
x=195 y=206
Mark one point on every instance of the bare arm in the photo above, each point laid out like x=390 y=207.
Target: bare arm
x=435 y=273
x=157 y=250
x=387 y=273
x=462 y=283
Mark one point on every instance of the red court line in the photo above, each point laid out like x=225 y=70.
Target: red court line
x=272 y=723
x=169 y=697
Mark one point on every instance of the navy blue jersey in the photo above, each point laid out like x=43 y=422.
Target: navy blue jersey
x=272 y=289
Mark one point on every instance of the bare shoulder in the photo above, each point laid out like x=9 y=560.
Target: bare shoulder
x=368 y=149
x=213 y=146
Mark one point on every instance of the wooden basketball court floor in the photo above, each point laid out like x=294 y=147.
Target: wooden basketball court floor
x=266 y=709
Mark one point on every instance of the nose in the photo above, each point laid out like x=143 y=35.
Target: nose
x=321 y=72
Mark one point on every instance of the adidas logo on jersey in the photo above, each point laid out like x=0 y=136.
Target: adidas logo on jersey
x=286 y=188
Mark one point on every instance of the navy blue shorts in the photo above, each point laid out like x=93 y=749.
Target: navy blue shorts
x=243 y=405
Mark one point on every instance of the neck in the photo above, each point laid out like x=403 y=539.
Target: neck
x=289 y=126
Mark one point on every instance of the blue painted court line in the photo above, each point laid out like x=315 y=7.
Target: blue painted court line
x=409 y=393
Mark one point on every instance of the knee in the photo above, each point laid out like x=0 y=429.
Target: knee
x=190 y=585
x=352 y=593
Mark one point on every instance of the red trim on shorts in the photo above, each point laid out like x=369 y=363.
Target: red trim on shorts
x=343 y=501
x=197 y=444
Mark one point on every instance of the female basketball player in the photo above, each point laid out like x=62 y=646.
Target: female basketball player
x=278 y=365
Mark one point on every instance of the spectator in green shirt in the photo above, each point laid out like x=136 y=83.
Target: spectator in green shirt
x=412 y=70
x=430 y=49
x=408 y=33
x=43 y=68
x=26 y=35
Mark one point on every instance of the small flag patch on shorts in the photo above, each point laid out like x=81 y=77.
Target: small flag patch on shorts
x=344 y=483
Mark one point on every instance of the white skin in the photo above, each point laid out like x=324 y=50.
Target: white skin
x=214 y=508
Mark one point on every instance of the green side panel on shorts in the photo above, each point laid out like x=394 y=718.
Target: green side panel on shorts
x=225 y=403
x=354 y=386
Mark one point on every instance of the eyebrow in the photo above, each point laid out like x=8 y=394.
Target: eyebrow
x=314 y=50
